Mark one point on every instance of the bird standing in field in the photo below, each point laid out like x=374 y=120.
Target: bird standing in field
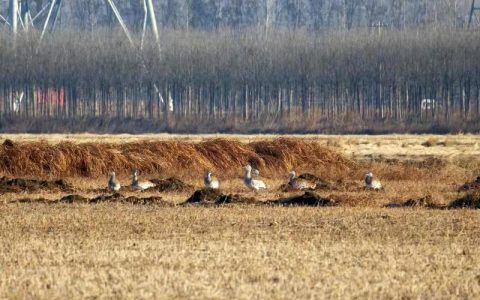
x=371 y=183
x=113 y=183
x=140 y=185
x=210 y=181
x=251 y=183
x=299 y=183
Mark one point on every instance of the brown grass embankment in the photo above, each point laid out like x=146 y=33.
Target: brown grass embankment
x=180 y=158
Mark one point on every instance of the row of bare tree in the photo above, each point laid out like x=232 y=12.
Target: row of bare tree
x=248 y=79
x=310 y=14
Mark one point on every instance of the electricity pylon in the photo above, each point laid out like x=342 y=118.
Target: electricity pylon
x=474 y=8
x=19 y=14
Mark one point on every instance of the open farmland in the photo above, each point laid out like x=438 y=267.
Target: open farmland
x=217 y=149
x=354 y=248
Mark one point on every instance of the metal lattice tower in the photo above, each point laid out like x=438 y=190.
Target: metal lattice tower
x=19 y=17
x=473 y=10
x=19 y=14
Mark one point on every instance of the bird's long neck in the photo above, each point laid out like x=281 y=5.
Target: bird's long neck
x=248 y=174
x=208 y=178
x=135 y=179
x=292 y=177
x=368 y=179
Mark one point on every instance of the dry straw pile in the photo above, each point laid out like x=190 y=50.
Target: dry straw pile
x=181 y=158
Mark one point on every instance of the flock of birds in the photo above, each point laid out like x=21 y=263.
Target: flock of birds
x=253 y=184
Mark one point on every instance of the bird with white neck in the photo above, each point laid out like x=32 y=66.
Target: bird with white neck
x=210 y=181
x=140 y=185
x=113 y=184
x=372 y=183
x=253 y=184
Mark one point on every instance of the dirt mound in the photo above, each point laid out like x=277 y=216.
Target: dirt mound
x=235 y=199
x=115 y=197
x=70 y=199
x=8 y=144
x=307 y=199
x=110 y=198
x=426 y=202
x=132 y=200
x=171 y=184
x=16 y=185
x=215 y=197
x=153 y=200
x=225 y=156
x=471 y=200
x=74 y=199
x=204 y=196
x=474 y=185
x=30 y=200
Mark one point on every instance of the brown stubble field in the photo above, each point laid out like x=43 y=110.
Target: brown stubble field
x=357 y=249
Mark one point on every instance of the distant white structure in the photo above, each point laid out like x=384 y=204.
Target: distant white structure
x=140 y=185
x=170 y=102
x=17 y=103
x=428 y=104
x=371 y=183
x=251 y=183
x=210 y=181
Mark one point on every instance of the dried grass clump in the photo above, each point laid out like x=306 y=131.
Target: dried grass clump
x=181 y=158
x=430 y=142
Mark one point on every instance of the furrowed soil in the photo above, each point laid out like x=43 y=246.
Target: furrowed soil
x=63 y=235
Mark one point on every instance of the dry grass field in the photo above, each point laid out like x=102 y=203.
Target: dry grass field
x=355 y=249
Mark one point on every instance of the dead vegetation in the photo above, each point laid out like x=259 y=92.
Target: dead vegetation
x=223 y=156
x=237 y=252
x=338 y=179
x=135 y=244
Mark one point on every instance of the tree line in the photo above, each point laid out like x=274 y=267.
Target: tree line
x=291 y=14
x=246 y=80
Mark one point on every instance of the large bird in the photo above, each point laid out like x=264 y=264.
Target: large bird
x=372 y=183
x=140 y=185
x=113 y=183
x=251 y=183
x=299 y=183
x=210 y=181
